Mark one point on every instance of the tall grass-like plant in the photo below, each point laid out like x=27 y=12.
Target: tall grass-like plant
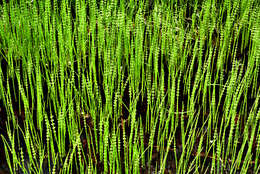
x=130 y=86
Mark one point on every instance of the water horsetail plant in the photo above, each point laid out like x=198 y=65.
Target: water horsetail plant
x=148 y=86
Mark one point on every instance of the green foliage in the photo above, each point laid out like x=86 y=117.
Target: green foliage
x=125 y=86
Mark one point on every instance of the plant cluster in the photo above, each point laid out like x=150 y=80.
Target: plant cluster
x=109 y=86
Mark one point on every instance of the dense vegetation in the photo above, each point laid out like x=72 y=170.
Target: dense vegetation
x=139 y=86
